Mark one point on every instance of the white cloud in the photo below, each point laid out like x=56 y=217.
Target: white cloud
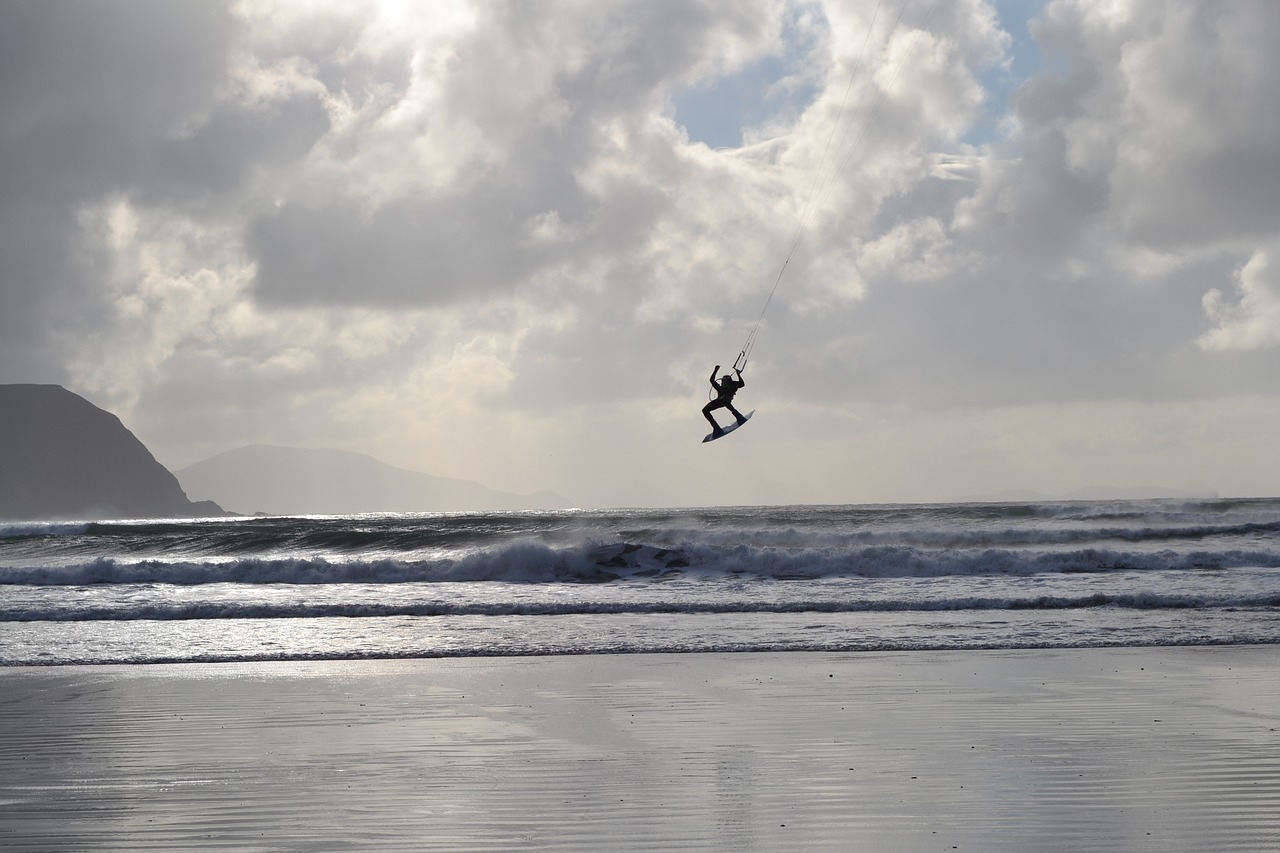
x=473 y=238
x=1252 y=320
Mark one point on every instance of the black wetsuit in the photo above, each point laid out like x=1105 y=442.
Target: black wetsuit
x=725 y=389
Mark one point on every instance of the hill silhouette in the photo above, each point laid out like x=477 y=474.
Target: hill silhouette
x=63 y=457
x=299 y=481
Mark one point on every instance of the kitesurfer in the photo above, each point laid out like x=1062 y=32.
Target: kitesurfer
x=725 y=388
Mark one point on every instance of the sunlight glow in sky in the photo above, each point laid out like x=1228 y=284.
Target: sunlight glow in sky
x=506 y=242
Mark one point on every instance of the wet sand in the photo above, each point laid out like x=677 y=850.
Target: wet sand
x=1096 y=749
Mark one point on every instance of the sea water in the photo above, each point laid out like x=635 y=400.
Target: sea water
x=830 y=578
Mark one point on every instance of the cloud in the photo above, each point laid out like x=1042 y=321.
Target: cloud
x=1160 y=102
x=1252 y=321
x=484 y=227
x=84 y=106
x=1072 y=262
x=516 y=118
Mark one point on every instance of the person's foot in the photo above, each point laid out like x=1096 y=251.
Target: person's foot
x=717 y=432
x=741 y=421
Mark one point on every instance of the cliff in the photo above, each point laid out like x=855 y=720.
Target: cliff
x=63 y=457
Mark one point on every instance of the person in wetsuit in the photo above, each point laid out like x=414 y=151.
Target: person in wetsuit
x=725 y=388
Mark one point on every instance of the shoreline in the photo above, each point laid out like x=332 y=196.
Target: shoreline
x=1146 y=748
x=518 y=655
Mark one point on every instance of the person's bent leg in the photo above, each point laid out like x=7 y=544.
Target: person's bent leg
x=736 y=413
x=716 y=429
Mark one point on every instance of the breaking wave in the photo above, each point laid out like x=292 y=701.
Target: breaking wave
x=537 y=563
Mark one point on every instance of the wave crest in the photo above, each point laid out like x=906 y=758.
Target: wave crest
x=530 y=562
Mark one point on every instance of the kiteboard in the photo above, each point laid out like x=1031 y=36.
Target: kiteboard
x=730 y=428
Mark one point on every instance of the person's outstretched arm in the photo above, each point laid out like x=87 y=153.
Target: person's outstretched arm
x=714 y=371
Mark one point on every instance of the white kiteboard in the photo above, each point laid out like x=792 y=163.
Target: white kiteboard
x=730 y=428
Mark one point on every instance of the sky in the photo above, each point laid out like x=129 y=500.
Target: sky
x=1027 y=245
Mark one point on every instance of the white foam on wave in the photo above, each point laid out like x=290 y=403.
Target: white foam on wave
x=126 y=610
x=531 y=562
x=43 y=528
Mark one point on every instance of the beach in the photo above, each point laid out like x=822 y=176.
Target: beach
x=1048 y=750
x=1062 y=676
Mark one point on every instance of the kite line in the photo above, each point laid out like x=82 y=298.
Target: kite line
x=814 y=198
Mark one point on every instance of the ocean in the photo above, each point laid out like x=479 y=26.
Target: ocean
x=788 y=578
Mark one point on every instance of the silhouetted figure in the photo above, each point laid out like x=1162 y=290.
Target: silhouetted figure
x=725 y=388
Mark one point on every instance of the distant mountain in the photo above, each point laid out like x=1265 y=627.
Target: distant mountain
x=1111 y=493
x=63 y=457
x=297 y=481
x=1008 y=496
x=1094 y=493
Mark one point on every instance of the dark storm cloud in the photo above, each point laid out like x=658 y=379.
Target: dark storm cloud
x=424 y=251
x=402 y=253
x=1164 y=102
x=86 y=87
x=85 y=91
x=227 y=147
